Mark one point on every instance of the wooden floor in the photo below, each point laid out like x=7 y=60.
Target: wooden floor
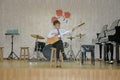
x=26 y=70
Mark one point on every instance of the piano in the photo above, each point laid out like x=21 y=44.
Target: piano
x=111 y=35
x=97 y=40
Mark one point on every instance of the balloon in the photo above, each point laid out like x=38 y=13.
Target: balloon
x=53 y=19
x=59 y=12
x=67 y=14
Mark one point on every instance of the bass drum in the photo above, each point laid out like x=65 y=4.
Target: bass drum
x=47 y=51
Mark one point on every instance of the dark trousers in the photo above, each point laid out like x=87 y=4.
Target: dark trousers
x=59 y=47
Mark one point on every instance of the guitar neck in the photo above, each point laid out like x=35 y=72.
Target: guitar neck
x=78 y=26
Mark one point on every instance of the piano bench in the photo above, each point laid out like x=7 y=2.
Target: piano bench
x=87 y=48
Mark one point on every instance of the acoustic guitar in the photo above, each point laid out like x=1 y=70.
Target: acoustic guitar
x=56 y=38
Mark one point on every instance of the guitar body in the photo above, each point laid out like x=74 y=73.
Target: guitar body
x=55 y=38
x=52 y=40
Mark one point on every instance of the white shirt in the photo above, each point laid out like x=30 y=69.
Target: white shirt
x=62 y=33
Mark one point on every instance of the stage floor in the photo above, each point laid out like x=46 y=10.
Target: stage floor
x=66 y=65
x=36 y=70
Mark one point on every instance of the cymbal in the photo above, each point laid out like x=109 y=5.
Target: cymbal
x=80 y=35
x=70 y=37
x=37 y=36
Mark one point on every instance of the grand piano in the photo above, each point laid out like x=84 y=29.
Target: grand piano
x=109 y=35
x=99 y=36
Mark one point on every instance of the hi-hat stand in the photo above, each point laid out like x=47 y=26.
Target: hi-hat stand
x=79 y=52
x=70 y=52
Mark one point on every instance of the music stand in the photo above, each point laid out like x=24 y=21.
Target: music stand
x=12 y=53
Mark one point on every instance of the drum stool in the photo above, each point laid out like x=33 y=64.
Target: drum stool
x=54 y=59
x=1 y=53
x=24 y=52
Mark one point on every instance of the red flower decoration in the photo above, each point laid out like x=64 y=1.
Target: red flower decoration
x=53 y=19
x=67 y=14
x=59 y=12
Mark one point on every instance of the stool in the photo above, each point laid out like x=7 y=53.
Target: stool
x=87 y=48
x=54 y=59
x=24 y=52
x=1 y=53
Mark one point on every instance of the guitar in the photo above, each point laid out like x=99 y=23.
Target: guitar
x=56 y=38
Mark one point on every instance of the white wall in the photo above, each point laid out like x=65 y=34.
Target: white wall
x=34 y=16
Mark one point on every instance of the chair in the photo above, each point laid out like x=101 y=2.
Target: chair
x=87 y=48
x=1 y=53
x=53 y=59
x=24 y=52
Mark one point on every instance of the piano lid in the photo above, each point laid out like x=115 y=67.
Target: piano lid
x=102 y=33
x=104 y=28
x=114 y=24
x=111 y=30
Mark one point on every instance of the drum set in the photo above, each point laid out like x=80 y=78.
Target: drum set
x=42 y=51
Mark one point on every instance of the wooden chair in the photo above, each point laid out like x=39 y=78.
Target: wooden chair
x=53 y=59
x=1 y=53
x=61 y=59
x=24 y=53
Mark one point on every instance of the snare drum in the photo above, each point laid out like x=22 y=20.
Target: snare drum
x=39 y=46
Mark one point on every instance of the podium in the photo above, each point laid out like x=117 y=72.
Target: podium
x=12 y=33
